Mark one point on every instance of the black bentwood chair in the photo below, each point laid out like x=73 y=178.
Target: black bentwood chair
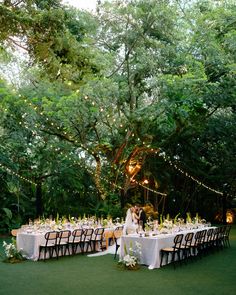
x=226 y=236
x=50 y=245
x=173 y=251
x=87 y=241
x=77 y=240
x=63 y=242
x=186 y=246
x=208 y=240
x=97 y=238
x=198 y=245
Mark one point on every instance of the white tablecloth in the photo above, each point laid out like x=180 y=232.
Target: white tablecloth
x=29 y=244
x=150 y=246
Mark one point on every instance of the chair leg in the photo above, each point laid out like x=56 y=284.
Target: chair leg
x=56 y=249
x=162 y=255
x=67 y=249
x=101 y=245
x=87 y=244
x=82 y=247
x=179 y=258
x=173 y=259
x=39 y=253
x=50 y=251
x=117 y=247
x=161 y=258
x=45 y=251
x=94 y=246
x=74 y=248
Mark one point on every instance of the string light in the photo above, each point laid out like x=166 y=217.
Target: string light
x=16 y=174
x=151 y=190
x=41 y=113
x=188 y=175
x=114 y=120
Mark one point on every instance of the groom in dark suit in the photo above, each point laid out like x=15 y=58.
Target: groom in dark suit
x=142 y=216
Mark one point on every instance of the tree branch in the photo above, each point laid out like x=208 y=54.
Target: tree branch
x=9 y=39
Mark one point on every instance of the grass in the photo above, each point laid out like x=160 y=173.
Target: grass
x=213 y=274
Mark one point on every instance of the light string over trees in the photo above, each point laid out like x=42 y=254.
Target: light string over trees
x=100 y=94
x=131 y=165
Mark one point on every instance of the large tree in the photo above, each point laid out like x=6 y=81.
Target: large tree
x=115 y=89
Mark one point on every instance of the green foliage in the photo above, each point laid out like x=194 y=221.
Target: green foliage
x=8 y=213
x=53 y=37
x=139 y=74
x=8 y=221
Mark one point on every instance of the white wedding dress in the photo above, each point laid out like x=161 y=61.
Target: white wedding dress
x=130 y=226
x=109 y=250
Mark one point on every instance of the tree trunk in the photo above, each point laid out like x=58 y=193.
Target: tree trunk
x=224 y=208
x=39 y=201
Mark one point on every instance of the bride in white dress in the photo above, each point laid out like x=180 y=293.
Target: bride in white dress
x=131 y=221
x=130 y=226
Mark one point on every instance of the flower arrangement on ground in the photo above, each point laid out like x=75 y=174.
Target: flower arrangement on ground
x=131 y=260
x=12 y=255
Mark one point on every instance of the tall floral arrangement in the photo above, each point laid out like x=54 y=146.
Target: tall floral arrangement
x=11 y=254
x=131 y=260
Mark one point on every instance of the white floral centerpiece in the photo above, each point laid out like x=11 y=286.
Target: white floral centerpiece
x=165 y=225
x=168 y=224
x=12 y=255
x=131 y=260
x=189 y=221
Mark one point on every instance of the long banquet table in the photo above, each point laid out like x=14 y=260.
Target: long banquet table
x=28 y=242
x=151 y=245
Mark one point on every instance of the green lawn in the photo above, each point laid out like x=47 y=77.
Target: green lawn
x=213 y=274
